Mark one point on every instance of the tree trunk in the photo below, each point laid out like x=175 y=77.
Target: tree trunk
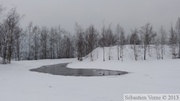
x=118 y=51
x=122 y=55
x=97 y=53
x=91 y=57
x=145 y=52
x=109 y=52
x=179 y=49
x=103 y=54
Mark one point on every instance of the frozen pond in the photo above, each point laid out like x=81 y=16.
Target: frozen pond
x=62 y=69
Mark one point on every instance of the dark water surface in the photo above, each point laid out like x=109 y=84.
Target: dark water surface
x=62 y=69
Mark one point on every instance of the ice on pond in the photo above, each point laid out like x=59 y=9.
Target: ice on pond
x=62 y=69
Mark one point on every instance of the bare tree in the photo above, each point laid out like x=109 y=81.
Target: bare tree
x=35 y=43
x=30 y=40
x=68 y=47
x=8 y=31
x=178 y=33
x=110 y=39
x=4 y=41
x=58 y=39
x=158 y=47
x=52 y=42
x=163 y=39
x=79 y=42
x=134 y=40
x=173 y=40
x=1 y=9
x=17 y=42
x=122 y=42
x=91 y=38
x=107 y=40
x=147 y=35
x=102 y=41
x=44 y=42
x=118 y=31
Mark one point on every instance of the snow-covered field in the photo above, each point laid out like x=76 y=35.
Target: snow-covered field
x=17 y=83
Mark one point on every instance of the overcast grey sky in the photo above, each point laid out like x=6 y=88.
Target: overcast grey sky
x=129 y=13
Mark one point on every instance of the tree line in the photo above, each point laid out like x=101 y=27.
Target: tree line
x=35 y=42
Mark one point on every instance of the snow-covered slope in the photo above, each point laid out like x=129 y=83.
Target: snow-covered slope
x=128 y=53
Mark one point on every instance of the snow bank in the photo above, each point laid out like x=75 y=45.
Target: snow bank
x=128 y=53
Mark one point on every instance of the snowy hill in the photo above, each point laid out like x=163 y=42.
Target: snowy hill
x=128 y=53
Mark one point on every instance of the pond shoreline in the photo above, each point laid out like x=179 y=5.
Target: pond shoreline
x=62 y=69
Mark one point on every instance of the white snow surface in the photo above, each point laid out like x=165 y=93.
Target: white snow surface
x=17 y=83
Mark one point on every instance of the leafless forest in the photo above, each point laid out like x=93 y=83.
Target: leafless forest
x=40 y=42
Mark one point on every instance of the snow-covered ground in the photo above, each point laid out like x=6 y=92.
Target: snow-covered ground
x=17 y=83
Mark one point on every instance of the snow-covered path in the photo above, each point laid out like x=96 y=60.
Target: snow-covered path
x=17 y=83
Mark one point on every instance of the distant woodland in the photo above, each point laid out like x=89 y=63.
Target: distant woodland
x=40 y=42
